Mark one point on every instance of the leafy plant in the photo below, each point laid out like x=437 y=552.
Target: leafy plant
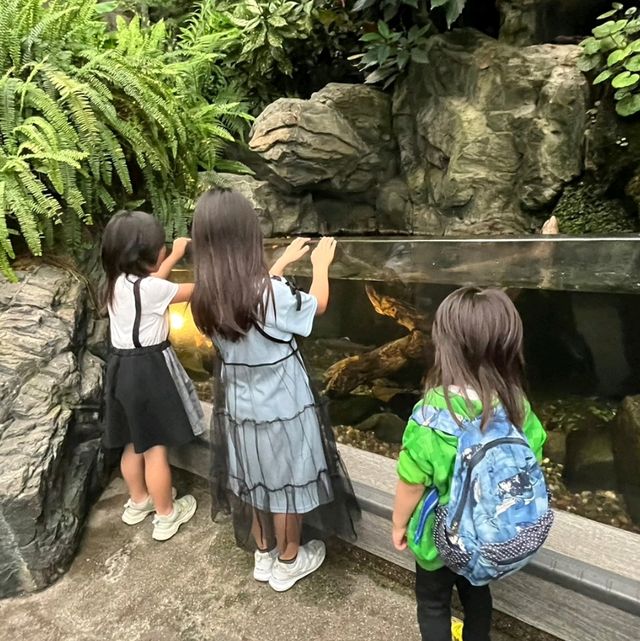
x=90 y=118
x=266 y=26
x=389 y=52
x=387 y=10
x=401 y=32
x=612 y=53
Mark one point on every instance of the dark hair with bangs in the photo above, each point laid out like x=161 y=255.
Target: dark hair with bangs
x=232 y=283
x=477 y=335
x=131 y=244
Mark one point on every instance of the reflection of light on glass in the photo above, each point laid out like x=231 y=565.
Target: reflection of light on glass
x=176 y=320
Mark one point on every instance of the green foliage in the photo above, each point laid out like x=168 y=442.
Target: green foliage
x=400 y=35
x=266 y=27
x=612 y=53
x=92 y=117
x=389 y=52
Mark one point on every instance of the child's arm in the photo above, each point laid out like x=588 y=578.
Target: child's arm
x=321 y=258
x=295 y=251
x=185 y=291
x=177 y=254
x=407 y=498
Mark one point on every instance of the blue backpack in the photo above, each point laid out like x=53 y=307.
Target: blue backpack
x=498 y=515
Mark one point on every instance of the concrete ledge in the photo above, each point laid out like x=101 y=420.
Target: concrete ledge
x=583 y=586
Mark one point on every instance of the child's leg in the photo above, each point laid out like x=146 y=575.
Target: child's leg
x=262 y=530
x=288 y=532
x=158 y=478
x=433 y=595
x=478 y=606
x=132 y=468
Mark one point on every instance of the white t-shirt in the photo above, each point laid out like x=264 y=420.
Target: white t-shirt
x=155 y=296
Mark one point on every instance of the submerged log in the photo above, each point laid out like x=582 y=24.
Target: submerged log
x=348 y=373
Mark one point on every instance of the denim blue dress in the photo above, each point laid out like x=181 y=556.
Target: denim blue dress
x=273 y=449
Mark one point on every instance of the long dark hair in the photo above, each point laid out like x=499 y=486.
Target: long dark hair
x=232 y=284
x=131 y=244
x=477 y=336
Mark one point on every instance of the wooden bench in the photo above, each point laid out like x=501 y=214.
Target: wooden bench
x=583 y=586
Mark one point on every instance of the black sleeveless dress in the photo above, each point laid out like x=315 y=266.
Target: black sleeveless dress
x=149 y=399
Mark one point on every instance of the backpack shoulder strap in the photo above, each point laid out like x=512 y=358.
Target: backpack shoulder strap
x=438 y=419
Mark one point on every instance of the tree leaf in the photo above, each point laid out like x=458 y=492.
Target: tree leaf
x=629 y=105
x=588 y=63
x=609 y=28
x=625 y=79
x=383 y=53
x=605 y=75
x=361 y=5
x=383 y=29
x=633 y=64
x=379 y=75
x=607 y=14
x=591 y=46
x=617 y=56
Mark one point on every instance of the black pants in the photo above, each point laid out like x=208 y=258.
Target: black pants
x=433 y=594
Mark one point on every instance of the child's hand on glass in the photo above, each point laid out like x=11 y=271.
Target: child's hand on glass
x=180 y=247
x=322 y=255
x=399 y=537
x=295 y=251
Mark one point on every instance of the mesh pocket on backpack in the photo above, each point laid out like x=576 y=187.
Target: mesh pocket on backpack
x=523 y=545
x=453 y=556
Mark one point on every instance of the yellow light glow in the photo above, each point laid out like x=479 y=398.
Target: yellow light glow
x=176 y=320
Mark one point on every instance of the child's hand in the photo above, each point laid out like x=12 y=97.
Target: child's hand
x=295 y=251
x=322 y=255
x=180 y=246
x=399 y=537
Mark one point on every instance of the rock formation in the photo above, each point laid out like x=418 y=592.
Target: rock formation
x=51 y=462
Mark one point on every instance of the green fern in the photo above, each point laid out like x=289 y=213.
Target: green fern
x=84 y=109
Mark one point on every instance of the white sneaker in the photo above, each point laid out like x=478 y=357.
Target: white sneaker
x=135 y=513
x=285 y=575
x=164 y=527
x=264 y=564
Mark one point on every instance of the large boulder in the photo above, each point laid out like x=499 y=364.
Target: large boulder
x=280 y=213
x=489 y=134
x=339 y=141
x=51 y=462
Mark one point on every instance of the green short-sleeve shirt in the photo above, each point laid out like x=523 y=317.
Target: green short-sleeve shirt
x=428 y=458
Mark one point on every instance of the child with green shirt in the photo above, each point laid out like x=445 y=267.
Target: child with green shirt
x=479 y=364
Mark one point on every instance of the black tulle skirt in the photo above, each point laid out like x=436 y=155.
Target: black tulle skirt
x=263 y=464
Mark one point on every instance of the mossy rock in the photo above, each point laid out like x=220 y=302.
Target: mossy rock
x=583 y=209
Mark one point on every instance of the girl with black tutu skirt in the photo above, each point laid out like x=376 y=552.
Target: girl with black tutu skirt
x=150 y=403
x=275 y=464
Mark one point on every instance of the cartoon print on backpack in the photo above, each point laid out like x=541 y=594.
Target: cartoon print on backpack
x=518 y=489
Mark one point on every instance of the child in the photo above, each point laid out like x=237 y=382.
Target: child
x=275 y=461
x=150 y=403
x=478 y=369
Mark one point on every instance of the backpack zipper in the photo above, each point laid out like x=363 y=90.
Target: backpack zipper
x=475 y=459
